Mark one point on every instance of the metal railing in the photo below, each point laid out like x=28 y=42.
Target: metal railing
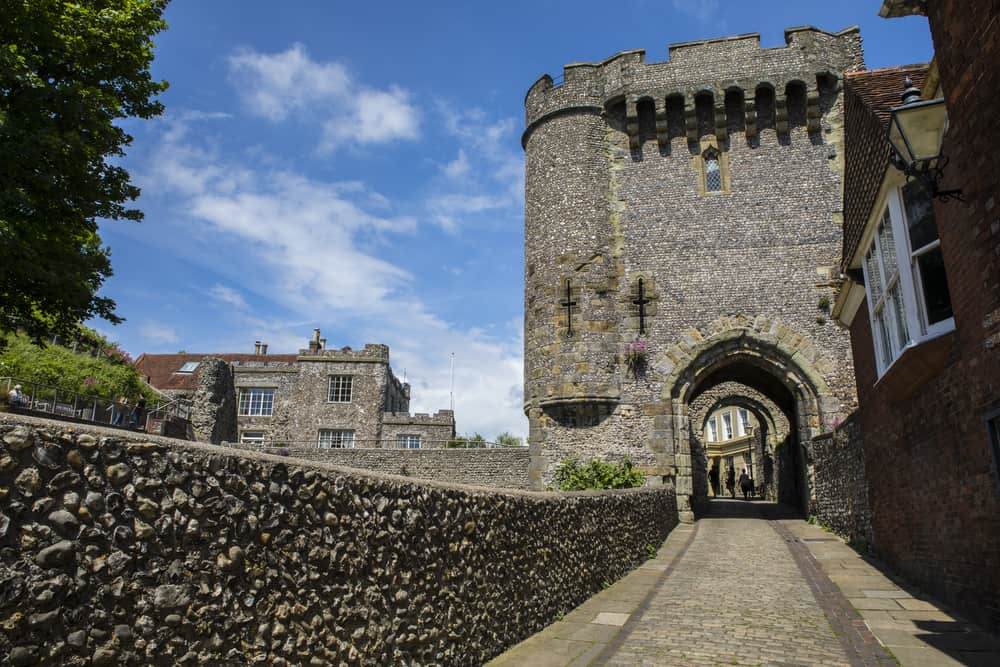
x=45 y=399
x=268 y=444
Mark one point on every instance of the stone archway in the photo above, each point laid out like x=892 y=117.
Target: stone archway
x=763 y=353
x=773 y=432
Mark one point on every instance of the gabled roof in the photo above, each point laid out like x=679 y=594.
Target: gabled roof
x=161 y=370
x=868 y=96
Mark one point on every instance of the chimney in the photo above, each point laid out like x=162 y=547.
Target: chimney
x=314 y=343
x=263 y=348
x=322 y=343
x=256 y=347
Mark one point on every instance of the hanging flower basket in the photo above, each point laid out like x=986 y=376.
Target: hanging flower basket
x=636 y=355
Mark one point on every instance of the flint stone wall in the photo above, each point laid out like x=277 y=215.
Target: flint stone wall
x=841 y=482
x=503 y=467
x=213 y=411
x=121 y=550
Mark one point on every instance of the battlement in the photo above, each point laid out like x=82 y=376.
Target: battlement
x=733 y=65
x=445 y=417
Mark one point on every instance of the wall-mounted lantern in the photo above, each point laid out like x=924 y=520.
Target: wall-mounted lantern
x=915 y=132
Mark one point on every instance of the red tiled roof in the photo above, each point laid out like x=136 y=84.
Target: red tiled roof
x=868 y=96
x=160 y=370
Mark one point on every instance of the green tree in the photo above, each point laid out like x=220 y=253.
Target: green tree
x=508 y=439
x=104 y=371
x=68 y=72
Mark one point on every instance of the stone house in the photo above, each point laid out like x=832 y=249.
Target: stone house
x=922 y=301
x=326 y=398
x=693 y=204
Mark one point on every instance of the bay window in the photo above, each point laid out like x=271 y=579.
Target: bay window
x=905 y=281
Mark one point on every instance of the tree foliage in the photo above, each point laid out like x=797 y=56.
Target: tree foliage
x=466 y=442
x=508 y=439
x=68 y=72
x=571 y=475
x=104 y=370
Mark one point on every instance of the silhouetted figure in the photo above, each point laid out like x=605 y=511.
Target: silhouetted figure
x=139 y=412
x=731 y=481
x=745 y=484
x=713 y=479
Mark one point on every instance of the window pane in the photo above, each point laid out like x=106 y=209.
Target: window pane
x=713 y=428
x=256 y=402
x=902 y=333
x=935 y=286
x=919 y=215
x=727 y=425
x=887 y=248
x=713 y=177
x=340 y=388
x=884 y=342
x=873 y=276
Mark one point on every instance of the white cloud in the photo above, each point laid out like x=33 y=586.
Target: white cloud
x=447 y=209
x=702 y=10
x=313 y=247
x=279 y=85
x=457 y=168
x=228 y=295
x=158 y=333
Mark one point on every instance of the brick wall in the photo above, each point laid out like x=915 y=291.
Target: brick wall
x=934 y=487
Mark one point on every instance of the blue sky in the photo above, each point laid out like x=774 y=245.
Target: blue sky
x=357 y=167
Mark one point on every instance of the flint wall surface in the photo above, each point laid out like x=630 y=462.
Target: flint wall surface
x=841 y=482
x=118 y=550
x=502 y=467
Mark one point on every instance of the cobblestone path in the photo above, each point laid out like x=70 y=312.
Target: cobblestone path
x=736 y=597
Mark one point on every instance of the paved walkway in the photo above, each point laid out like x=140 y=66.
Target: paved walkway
x=749 y=584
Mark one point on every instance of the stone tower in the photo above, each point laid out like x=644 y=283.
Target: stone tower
x=693 y=205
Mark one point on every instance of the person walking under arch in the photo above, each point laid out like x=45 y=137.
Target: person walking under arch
x=731 y=481
x=745 y=484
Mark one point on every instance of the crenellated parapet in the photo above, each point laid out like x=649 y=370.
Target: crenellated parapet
x=730 y=83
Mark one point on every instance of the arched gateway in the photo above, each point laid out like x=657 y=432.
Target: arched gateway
x=752 y=361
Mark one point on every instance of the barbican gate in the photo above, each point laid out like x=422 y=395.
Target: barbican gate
x=693 y=204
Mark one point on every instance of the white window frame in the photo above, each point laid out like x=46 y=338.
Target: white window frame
x=256 y=401
x=252 y=437
x=897 y=325
x=188 y=367
x=340 y=380
x=727 y=425
x=408 y=441
x=742 y=421
x=712 y=430
x=335 y=438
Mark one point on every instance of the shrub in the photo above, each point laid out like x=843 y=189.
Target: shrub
x=571 y=475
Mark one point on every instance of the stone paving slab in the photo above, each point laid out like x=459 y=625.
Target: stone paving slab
x=738 y=589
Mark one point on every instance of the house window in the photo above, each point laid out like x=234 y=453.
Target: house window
x=712 y=432
x=905 y=281
x=743 y=421
x=256 y=402
x=252 y=438
x=408 y=441
x=189 y=367
x=340 y=388
x=727 y=425
x=335 y=439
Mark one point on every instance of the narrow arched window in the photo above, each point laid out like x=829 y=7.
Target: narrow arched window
x=713 y=172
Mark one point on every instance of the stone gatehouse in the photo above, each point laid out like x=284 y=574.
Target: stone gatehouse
x=693 y=205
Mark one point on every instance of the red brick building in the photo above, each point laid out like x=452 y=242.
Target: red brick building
x=922 y=301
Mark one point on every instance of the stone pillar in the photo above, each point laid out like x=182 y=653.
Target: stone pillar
x=213 y=413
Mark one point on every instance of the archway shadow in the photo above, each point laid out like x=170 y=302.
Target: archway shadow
x=728 y=508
